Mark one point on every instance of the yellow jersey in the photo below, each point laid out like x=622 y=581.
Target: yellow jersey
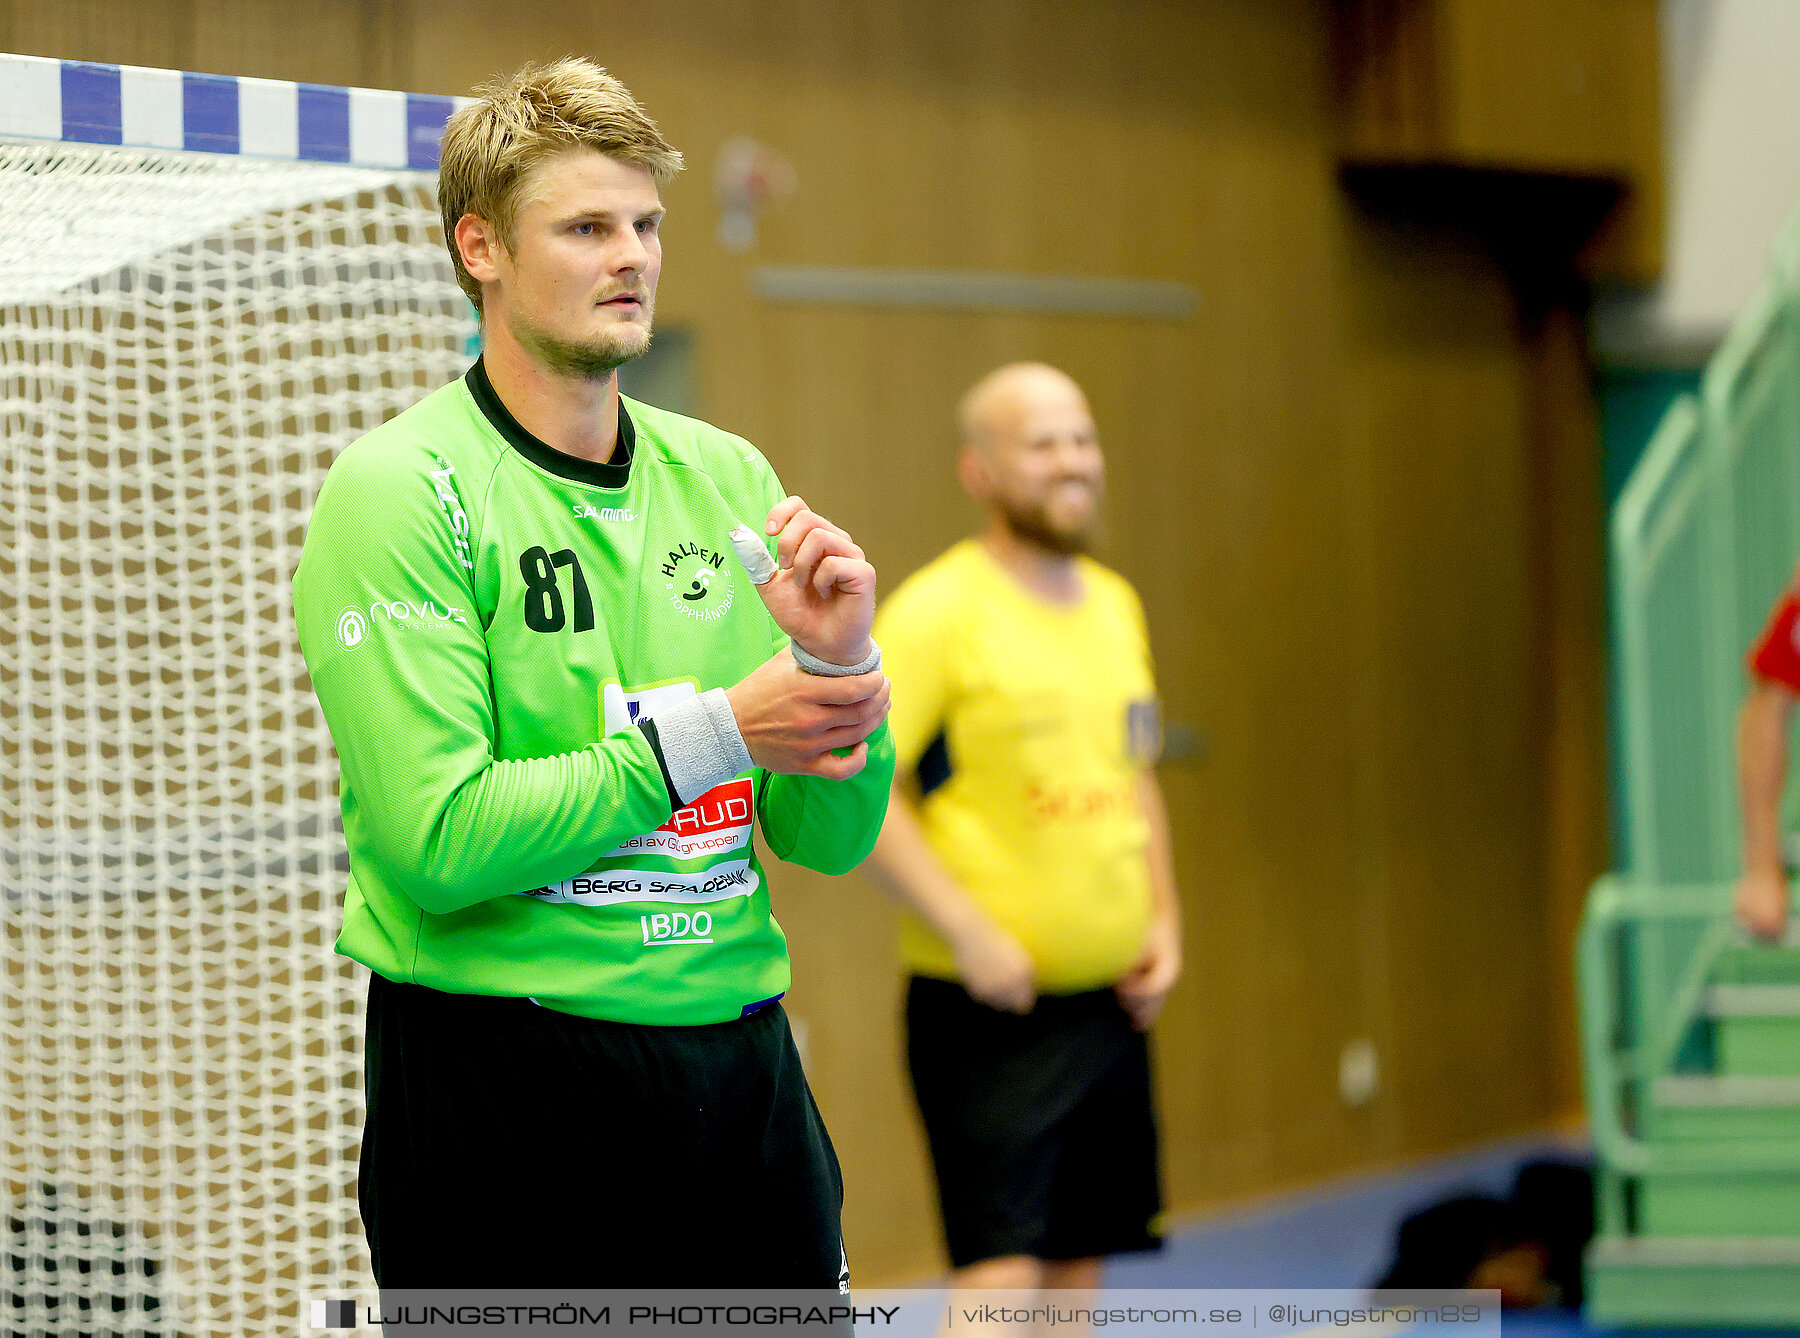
x=1027 y=725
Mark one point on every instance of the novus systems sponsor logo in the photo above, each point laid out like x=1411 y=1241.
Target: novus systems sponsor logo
x=418 y=612
x=663 y=930
x=352 y=629
x=452 y=508
x=353 y=624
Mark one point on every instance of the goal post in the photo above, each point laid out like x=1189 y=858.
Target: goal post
x=214 y=285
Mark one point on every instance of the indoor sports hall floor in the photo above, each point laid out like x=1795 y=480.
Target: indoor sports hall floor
x=1342 y=1235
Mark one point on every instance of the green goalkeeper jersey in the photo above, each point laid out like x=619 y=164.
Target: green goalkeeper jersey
x=517 y=653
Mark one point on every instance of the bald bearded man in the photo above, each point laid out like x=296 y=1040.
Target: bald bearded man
x=1028 y=842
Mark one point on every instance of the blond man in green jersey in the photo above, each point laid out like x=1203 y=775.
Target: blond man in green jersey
x=561 y=707
x=1027 y=840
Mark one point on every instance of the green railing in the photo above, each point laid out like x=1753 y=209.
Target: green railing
x=1705 y=534
x=1648 y=954
x=1696 y=1129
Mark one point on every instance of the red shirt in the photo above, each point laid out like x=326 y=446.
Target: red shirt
x=1776 y=655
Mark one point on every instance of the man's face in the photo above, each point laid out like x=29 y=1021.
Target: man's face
x=578 y=286
x=1040 y=466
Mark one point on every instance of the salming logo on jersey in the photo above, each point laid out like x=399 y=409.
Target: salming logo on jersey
x=587 y=511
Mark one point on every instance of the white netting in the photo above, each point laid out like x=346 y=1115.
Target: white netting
x=191 y=341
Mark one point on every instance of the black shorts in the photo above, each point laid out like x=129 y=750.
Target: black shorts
x=509 y=1145
x=1040 y=1126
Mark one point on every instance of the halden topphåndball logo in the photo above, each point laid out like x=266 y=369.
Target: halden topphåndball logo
x=699 y=582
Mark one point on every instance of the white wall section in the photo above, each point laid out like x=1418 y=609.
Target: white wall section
x=1731 y=129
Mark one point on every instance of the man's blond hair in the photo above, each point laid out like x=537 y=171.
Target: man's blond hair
x=493 y=145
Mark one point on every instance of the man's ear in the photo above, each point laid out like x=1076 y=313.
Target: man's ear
x=480 y=246
x=972 y=472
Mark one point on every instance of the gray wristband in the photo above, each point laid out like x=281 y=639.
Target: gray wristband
x=825 y=669
x=701 y=745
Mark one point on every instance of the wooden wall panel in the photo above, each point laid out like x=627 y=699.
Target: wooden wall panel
x=1541 y=85
x=1436 y=404
x=1548 y=84
x=158 y=32
x=1323 y=483
x=1572 y=590
x=1569 y=87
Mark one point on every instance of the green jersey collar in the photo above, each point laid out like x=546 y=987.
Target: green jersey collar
x=615 y=473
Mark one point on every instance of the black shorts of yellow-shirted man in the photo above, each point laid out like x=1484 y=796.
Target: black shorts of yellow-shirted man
x=1041 y=1128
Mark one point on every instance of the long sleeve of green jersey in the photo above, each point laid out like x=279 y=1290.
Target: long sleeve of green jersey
x=830 y=825
x=410 y=707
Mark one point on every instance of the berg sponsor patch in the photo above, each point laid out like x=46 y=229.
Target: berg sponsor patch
x=619 y=886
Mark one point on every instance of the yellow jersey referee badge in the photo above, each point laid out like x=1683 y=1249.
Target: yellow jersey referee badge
x=1143 y=731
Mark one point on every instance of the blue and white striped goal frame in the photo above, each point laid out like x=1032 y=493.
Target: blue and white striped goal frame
x=137 y=107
